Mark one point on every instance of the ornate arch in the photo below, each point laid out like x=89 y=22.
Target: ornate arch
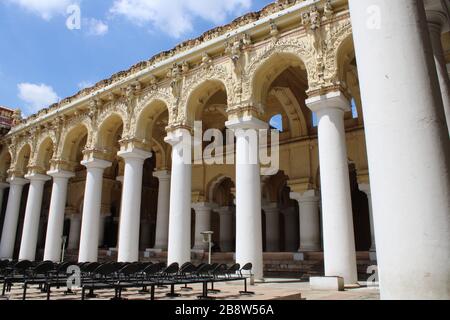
x=148 y=99
x=5 y=162
x=214 y=183
x=298 y=52
x=212 y=74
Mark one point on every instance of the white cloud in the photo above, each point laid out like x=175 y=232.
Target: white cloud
x=176 y=17
x=96 y=27
x=44 y=8
x=36 y=96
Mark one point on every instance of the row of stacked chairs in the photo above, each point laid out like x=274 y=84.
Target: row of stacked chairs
x=91 y=277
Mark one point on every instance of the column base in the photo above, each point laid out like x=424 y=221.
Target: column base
x=326 y=283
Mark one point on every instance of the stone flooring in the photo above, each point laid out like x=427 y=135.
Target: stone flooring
x=271 y=289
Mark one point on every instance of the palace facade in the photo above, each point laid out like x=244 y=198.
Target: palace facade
x=363 y=93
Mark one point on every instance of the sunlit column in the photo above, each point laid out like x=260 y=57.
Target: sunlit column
x=272 y=215
x=162 y=217
x=32 y=216
x=308 y=204
x=202 y=223
x=226 y=215
x=10 y=223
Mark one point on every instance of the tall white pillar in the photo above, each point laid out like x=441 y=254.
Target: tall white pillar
x=90 y=223
x=272 y=215
x=436 y=20
x=202 y=223
x=30 y=231
x=308 y=204
x=366 y=189
x=248 y=192
x=408 y=149
x=338 y=233
x=226 y=215
x=290 y=229
x=162 y=216
x=75 y=230
x=3 y=186
x=179 y=248
x=55 y=225
x=131 y=204
x=144 y=237
x=101 y=230
x=10 y=223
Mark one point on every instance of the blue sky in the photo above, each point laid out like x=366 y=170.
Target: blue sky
x=42 y=60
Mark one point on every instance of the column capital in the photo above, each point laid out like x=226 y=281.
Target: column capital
x=224 y=210
x=37 y=177
x=203 y=206
x=162 y=175
x=246 y=122
x=330 y=100
x=270 y=207
x=120 y=179
x=61 y=174
x=94 y=163
x=364 y=187
x=180 y=135
x=134 y=153
x=308 y=196
x=15 y=181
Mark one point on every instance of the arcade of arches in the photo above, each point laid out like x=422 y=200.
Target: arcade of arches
x=102 y=168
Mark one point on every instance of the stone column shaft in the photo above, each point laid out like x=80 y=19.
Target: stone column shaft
x=226 y=215
x=30 y=231
x=90 y=223
x=3 y=187
x=179 y=248
x=10 y=223
x=55 y=224
x=162 y=217
x=131 y=204
x=74 y=234
x=308 y=204
x=272 y=215
x=248 y=193
x=407 y=147
x=338 y=233
x=202 y=224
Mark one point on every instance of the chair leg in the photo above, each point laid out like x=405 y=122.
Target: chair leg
x=152 y=293
x=204 y=295
x=245 y=292
x=212 y=290
x=24 y=297
x=172 y=293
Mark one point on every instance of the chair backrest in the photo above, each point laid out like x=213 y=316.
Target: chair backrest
x=106 y=269
x=187 y=268
x=247 y=267
x=90 y=267
x=203 y=269
x=44 y=267
x=152 y=269
x=233 y=269
x=172 y=269
x=23 y=265
x=130 y=269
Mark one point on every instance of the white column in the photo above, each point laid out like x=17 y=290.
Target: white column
x=179 y=248
x=32 y=216
x=162 y=216
x=202 y=223
x=10 y=223
x=308 y=204
x=272 y=215
x=3 y=186
x=226 y=228
x=408 y=149
x=131 y=204
x=55 y=225
x=338 y=233
x=101 y=230
x=144 y=238
x=75 y=230
x=248 y=193
x=91 y=209
x=366 y=189
x=290 y=230
x=436 y=20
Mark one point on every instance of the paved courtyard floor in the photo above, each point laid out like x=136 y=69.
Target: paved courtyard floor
x=271 y=289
